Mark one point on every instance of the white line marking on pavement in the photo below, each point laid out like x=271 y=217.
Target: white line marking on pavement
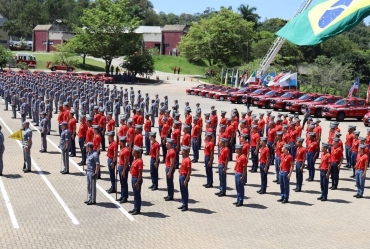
x=79 y=168
x=57 y=196
x=8 y=205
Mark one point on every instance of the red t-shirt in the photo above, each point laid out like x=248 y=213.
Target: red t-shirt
x=96 y=141
x=301 y=153
x=255 y=138
x=136 y=167
x=154 y=148
x=82 y=130
x=265 y=152
x=214 y=120
x=140 y=120
x=361 y=163
x=246 y=148
x=111 y=124
x=176 y=134
x=223 y=121
x=111 y=148
x=195 y=131
x=66 y=115
x=188 y=120
x=138 y=140
x=313 y=147
x=148 y=125
x=122 y=131
x=134 y=120
x=241 y=163
x=160 y=120
x=261 y=124
x=72 y=125
x=230 y=130
x=96 y=119
x=186 y=140
x=103 y=121
x=185 y=166
x=89 y=134
x=325 y=160
x=61 y=117
x=170 y=122
x=286 y=163
x=271 y=134
x=171 y=154
x=165 y=130
x=336 y=155
x=209 y=148
x=355 y=145
x=349 y=139
x=124 y=153
x=200 y=123
x=279 y=148
x=224 y=155
x=130 y=133
x=293 y=136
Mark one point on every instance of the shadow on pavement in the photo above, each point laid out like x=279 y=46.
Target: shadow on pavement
x=300 y=203
x=201 y=211
x=154 y=215
x=256 y=206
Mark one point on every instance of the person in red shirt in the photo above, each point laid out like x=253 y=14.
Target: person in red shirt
x=195 y=137
x=66 y=112
x=184 y=177
x=177 y=118
x=124 y=128
x=147 y=130
x=208 y=126
x=223 y=160
x=60 y=118
x=230 y=130
x=243 y=129
x=278 y=146
x=170 y=168
x=186 y=138
x=134 y=117
x=299 y=165
x=264 y=165
x=112 y=161
x=214 y=123
x=223 y=120
x=361 y=168
x=340 y=143
x=286 y=169
x=331 y=135
x=208 y=158
x=286 y=134
x=154 y=160
x=138 y=140
x=136 y=171
x=255 y=145
x=130 y=135
x=140 y=118
x=324 y=172
x=164 y=134
x=318 y=131
x=240 y=170
x=82 y=131
x=160 y=123
x=336 y=158
x=123 y=168
x=293 y=135
x=271 y=135
x=354 y=151
x=312 y=155
x=102 y=127
x=261 y=125
x=96 y=115
x=176 y=134
x=97 y=143
x=200 y=124
x=111 y=123
x=169 y=122
x=298 y=127
x=348 y=144
x=72 y=130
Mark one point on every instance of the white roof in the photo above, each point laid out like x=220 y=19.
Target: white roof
x=149 y=29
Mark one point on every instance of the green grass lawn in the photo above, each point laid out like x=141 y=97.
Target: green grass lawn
x=91 y=64
x=165 y=63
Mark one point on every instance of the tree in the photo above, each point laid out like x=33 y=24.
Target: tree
x=109 y=30
x=139 y=63
x=221 y=38
x=80 y=44
x=248 y=13
x=272 y=25
x=5 y=56
x=64 y=54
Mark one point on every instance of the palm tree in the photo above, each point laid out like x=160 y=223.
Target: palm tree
x=248 y=13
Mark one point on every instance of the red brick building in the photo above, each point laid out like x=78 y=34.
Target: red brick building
x=45 y=37
x=171 y=37
x=152 y=36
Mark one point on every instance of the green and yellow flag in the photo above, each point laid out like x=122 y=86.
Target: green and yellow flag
x=324 y=20
x=18 y=135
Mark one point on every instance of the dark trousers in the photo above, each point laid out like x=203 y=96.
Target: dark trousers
x=222 y=178
x=147 y=142
x=311 y=165
x=170 y=185
x=272 y=154
x=102 y=141
x=137 y=193
x=177 y=159
x=277 y=166
x=348 y=155
x=164 y=151
x=209 y=171
x=123 y=181
x=334 y=172
x=81 y=142
x=73 y=147
x=112 y=175
x=194 y=144
x=263 y=177
x=284 y=185
x=153 y=172
x=299 y=175
x=324 y=183
x=184 y=191
x=254 y=159
x=239 y=188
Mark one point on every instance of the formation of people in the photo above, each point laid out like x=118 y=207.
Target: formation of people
x=121 y=123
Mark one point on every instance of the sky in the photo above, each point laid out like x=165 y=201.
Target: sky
x=265 y=8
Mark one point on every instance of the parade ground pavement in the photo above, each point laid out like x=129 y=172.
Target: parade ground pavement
x=45 y=209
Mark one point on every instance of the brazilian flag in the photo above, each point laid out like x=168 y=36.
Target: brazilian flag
x=324 y=20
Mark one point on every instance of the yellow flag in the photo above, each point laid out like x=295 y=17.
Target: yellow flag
x=17 y=135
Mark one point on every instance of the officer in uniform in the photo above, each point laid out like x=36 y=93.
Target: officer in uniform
x=13 y=103
x=184 y=177
x=286 y=169
x=93 y=166
x=44 y=131
x=27 y=145
x=2 y=148
x=49 y=113
x=324 y=172
x=116 y=111
x=23 y=109
x=240 y=174
x=65 y=141
x=152 y=111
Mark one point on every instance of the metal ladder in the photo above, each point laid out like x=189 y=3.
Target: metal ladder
x=278 y=43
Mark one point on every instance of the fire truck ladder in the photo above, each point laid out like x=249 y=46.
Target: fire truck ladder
x=278 y=43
